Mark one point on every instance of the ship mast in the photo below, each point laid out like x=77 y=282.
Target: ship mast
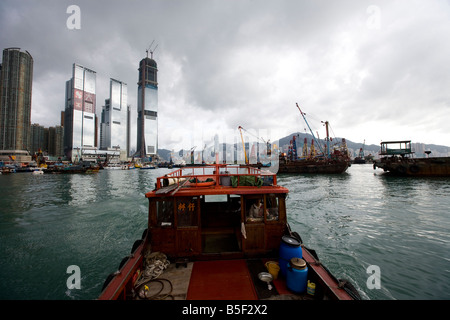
x=328 y=138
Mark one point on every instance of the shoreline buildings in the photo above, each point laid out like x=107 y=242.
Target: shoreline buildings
x=16 y=76
x=79 y=116
x=147 y=121
x=76 y=137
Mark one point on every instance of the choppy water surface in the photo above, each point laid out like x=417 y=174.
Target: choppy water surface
x=353 y=221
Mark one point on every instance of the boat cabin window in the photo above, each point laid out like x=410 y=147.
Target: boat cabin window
x=254 y=208
x=259 y=207
x=187 y=211
x=164 y=212
x=272 y=205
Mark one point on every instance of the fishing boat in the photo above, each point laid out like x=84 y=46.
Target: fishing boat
x=335 y=159
x=396 y=158
x=220 y=232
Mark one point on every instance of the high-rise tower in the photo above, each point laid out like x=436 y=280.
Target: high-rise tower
x=147 y=122
x=15 y=99
x=79 y=115
x=114 y=122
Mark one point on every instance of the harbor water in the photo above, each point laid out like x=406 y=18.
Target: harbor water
x=388 y=235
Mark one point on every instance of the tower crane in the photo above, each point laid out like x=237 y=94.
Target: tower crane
x=267 y=143
x=151 y=51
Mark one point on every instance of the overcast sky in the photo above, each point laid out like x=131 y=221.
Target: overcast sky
x=376 y=70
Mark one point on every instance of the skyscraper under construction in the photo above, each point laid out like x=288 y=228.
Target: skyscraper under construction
x=147 y=121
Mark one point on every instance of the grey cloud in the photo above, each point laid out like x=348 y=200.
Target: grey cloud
x=235 y=62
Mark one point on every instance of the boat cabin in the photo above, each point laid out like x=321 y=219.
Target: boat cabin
x=217 y=211
x=396 y=148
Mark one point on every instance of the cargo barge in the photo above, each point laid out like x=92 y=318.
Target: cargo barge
x=397 y=159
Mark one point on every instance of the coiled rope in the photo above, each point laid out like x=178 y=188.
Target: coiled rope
x=154 y=265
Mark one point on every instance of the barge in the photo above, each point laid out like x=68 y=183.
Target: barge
x=397 y=159
x=334 y=160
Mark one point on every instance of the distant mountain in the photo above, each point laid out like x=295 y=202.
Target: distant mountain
x=164 y=154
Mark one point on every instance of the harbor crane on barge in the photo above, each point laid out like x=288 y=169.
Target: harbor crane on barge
x=267 y=143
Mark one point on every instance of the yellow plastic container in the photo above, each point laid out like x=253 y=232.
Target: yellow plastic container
x=273 y=268
x=311 y=288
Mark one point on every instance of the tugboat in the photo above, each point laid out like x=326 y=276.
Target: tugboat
x=397 y=159
x=360 y=159
x=220 y=232
x=336 y=161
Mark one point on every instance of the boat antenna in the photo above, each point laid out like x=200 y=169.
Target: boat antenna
x=303 y=115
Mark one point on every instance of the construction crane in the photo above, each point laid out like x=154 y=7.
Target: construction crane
x=151 y=51
x=243 y=144
x=303 y=115
x=267 y=143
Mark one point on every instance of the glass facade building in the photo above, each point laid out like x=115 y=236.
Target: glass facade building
x=147 y=122
x=114 y=119
x=15 y=99
x=79 y=115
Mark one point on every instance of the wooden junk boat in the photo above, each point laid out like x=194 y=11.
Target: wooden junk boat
x=396 y=159
x=220 y=232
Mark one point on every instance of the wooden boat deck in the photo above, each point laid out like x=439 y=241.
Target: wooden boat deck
x=221 y=280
